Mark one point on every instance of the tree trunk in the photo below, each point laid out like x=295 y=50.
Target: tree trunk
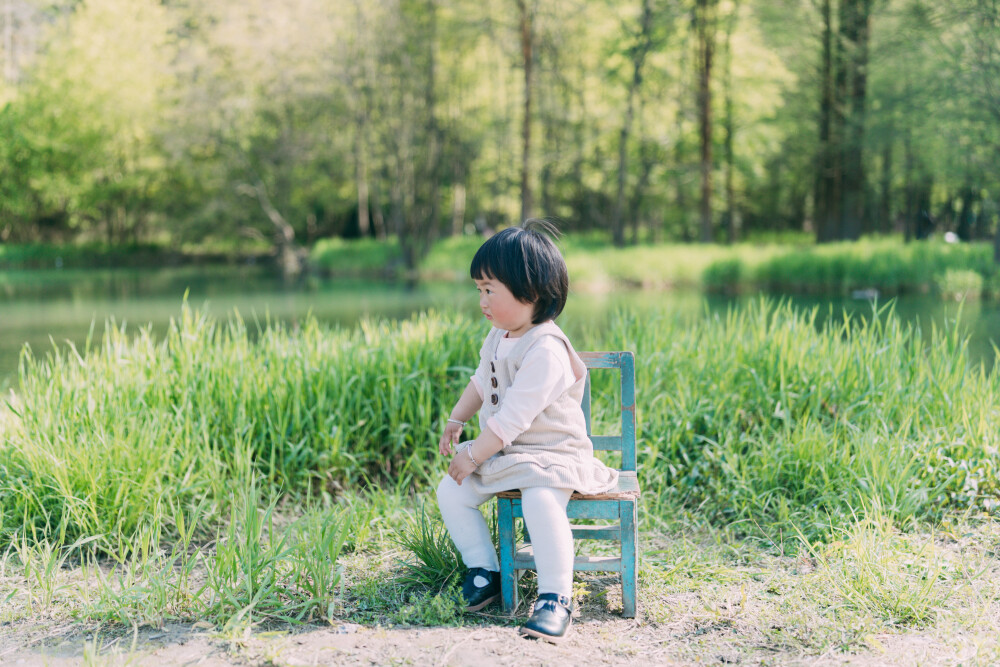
x=545 y=177
x=415 y=137
x=946 y=217
x=680 y=147
x=639 y=52
x=825 y=208
x=647 y=160
x=996 y=244
x=526 y=56
x=981 y=230
x=705 y=23
x=378 y=215
x=729 y=125
x=433 y=165
x=855 y=19
x=291 y=258
x=883 y=224
x=10 y=62
x=923 y=221
x=909 y=190
x=966 y=215
x=458 y=210
x=361 y=169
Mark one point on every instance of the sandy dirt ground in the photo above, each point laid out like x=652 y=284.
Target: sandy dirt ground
x=594 y=641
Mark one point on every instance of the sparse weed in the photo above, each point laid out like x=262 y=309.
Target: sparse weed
x=41 y=563
x=318 y=542
x=96 y=655
x=875 y=570
x=444 y=607
x=246 y=573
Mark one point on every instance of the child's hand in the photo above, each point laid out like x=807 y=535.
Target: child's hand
x=461 y=466
x=451 y=436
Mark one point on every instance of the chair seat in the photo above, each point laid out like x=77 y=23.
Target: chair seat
x=626 y=489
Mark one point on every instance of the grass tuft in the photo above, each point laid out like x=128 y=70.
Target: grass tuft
x=434 y=562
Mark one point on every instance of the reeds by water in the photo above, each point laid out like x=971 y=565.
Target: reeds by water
x=759 y=417
x=103 y=436
x=886 y=265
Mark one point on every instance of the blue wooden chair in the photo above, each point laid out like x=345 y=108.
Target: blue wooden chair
x=616 y=505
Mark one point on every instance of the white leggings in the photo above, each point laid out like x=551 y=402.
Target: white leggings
x=545 y=515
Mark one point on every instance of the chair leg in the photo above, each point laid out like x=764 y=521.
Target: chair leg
x=508 y=578
x=627 y=510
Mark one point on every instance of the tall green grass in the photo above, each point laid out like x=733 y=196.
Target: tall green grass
x=888 y=265
x=760 y=419
x=764 y=418
x=102 y=436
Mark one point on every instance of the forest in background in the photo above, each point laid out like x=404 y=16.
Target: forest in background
x=281 y=122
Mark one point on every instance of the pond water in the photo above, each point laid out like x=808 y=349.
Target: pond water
x=39 y=307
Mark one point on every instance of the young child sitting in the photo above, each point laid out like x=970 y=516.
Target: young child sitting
x=527 y=390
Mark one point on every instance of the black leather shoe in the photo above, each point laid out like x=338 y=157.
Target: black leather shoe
x=481 y=587
x=550 y=619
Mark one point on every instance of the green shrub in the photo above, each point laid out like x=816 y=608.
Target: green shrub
x=79 y=255
x=959 y=284
x=724 y=275
x=357 y=257
x=888 y=265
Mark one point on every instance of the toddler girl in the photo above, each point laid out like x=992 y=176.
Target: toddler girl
x=527 y=390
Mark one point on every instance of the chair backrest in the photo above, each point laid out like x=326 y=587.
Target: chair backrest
x=624 y=443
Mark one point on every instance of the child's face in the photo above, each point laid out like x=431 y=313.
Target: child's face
x=501 y=308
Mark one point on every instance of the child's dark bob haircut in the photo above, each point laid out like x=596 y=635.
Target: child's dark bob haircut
x=527 y=261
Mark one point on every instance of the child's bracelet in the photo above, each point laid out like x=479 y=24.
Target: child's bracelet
x=471 y=457
x=455 y=421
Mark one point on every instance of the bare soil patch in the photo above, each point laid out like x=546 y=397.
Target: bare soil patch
x=596 y=639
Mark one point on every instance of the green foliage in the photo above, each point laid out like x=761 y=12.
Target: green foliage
x=724 y=275
x=247 y=575
x=253 y=570
x=41 y=561
x=434 y=562
x=208 y=122
x=79 y=145
x=884 y=264
x=887 y=265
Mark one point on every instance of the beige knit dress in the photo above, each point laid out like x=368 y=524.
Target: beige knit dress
x=555 y=450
